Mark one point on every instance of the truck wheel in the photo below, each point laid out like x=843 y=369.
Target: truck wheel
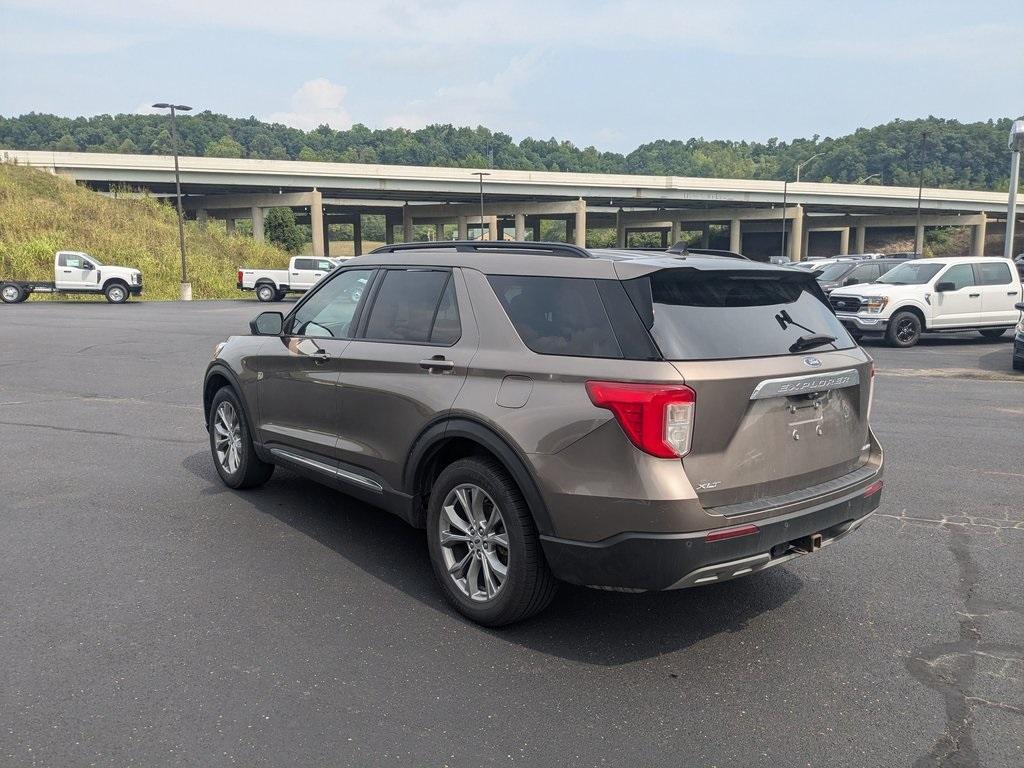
x=279 y=296
x=231 y=444
x=904 y=329
x=116 y=293
x=992 y=333
x=266 y=292
x=12 y=294
x=483 y=545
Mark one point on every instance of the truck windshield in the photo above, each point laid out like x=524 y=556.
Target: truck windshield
x=728 y=314
x=910 y=274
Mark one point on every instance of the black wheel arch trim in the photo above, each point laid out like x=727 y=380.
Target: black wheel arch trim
x=217 y=368
x=433 y=437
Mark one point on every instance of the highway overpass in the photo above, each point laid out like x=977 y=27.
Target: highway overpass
x=517 y=201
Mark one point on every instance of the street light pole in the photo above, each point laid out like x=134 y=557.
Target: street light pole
x=186 y=286
x=1016 y=145
x=919 y=246
x=785 y=191
x=799 y=166
x=866 y=179
x=480 y=175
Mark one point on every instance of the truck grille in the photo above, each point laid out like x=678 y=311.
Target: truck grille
x=844 y=303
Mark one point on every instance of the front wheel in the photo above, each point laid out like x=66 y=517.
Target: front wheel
x=904 y=329
x=231 y=444
x=12 y=294
x=116 y=293
x=483 y=545
x=266 y=293
x=992 y=333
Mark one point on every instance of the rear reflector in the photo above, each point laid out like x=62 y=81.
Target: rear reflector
x=730 y=533
x=657 y=418
x=872 y=489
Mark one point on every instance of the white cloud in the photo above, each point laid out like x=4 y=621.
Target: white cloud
x=316 y=102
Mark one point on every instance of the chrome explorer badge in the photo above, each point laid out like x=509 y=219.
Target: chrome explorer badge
x=813 y=362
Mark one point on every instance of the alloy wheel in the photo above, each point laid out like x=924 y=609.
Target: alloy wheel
x=905 y=330
x=474 y=542
x=227 y=437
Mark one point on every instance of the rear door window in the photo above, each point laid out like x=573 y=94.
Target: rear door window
x=407 y=307
x=994 y=273
x=728 y=314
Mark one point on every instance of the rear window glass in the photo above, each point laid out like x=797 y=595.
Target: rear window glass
x=723 y=315
x=558 y=315
x=995 y=273
x=408 y=303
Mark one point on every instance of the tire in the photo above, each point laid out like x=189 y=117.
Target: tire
x=904 y=329
x=992 y=333
x=279 y=296
x=856 y=335
x=238 y=465
x=12 y=294
x=266 y=292
x=527 y=586
x=116 y=293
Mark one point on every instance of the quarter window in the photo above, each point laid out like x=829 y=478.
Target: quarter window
x=329 y=311
x=994 y=273
x=415 y=306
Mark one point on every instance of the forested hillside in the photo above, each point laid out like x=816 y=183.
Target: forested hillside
x=968 y=155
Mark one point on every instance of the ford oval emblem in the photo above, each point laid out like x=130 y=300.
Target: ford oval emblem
x=813 y=362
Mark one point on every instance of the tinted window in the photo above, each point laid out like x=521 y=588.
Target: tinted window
x=329 y=311
x=406 y=304
x=994 y=273
x=558 y=315
x=915 y=273
x=447 y=329
x=961 y=275
x=305 y=264
x=863 y=273
x=722 y=315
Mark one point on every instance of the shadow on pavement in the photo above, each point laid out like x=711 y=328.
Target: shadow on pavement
x=592 y=626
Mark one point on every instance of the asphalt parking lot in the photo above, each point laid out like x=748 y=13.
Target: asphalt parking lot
x=149 y=616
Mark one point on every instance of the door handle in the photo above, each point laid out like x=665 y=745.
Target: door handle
x=68 y=272
x=437 y=364
x=1011 y=293
x=321 y=356
x=974 y=295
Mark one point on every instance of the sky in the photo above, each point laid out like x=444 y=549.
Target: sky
x=608 y=74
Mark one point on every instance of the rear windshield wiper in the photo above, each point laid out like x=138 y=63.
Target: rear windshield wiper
x=810 y=342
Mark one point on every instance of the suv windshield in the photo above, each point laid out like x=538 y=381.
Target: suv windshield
x=833 y=272
x=721 y=315
x=910 y=274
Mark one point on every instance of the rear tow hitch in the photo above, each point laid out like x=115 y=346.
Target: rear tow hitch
x=807 y=544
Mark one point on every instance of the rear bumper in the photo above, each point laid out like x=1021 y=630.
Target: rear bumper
x=642 y=562
x=1018 y=347
x=863 y=324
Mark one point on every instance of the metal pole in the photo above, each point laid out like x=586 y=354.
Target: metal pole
x=181 y=216
x=1011 y=204
x=920 y=190
x=785 y=189
x=480 y=175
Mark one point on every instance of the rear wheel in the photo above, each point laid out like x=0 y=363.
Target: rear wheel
x=266 y=292
x=992 y=333
x=231 y=444
x=116 y=293
x=904 y=329
x=484 y=547
x=12 y=294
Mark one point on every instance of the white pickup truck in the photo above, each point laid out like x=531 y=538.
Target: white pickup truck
x=933 y=295
x=77 y=272
x=273 y=284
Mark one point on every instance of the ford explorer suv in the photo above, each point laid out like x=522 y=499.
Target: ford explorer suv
x=933 y=295
x=625 y=421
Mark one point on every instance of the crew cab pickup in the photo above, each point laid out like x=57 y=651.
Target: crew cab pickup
x=274 y=284
x=933 y=295
x=77 y=272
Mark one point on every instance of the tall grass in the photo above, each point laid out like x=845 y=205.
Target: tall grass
x=41 y=213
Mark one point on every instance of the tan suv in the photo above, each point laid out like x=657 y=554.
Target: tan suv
x=622 y=420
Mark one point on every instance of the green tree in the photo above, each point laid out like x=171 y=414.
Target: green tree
x=128 y=147
x=225 y=146
x=66 y=144
x=280 y=228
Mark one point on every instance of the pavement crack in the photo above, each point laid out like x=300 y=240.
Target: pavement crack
x=79 y=431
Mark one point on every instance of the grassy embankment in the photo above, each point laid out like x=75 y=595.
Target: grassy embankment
x=41 y=214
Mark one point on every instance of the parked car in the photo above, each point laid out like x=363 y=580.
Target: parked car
x=843 y=273
x=626 y=421
x=933 y=295
x=900 y=255
x=77 y=272
x=1018 y=341
x=274 y=284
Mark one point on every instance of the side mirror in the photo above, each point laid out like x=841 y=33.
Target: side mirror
x=944 y=286
x=267 y=324
x=1019 y=305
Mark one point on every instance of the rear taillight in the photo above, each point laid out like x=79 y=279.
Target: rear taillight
x=239 y=276
x=657 y=418
x=871 y=389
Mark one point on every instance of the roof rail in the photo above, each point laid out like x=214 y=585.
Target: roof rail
x=477 y=246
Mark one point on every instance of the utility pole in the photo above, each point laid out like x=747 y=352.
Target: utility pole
x=186 y=286
x=919 y=247
x=480 y=175
x=1016 y=145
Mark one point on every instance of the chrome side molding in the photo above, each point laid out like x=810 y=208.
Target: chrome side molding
x=327 y=469
x=803 y=385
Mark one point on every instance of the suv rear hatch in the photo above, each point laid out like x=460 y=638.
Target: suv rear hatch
x=780 y=408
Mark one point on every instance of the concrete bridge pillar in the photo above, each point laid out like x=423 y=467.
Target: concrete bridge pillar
x=705 y=236
x=317 y=225
x=257 y=223
x=796 y=237
x=520 y=226
x=357 y=235
x=389 y=231
x=580 y=228
x=844 y=241
x=229 y=225
x=406 y=225
x=919 y=239
x=677 y=232
x=735 y=236
x=620 y=231
x=439 y=231
x=492 y=227
x=978 y=237
x=536 y=230
x=202 y=217
x=463 y=222
x=858 y=245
